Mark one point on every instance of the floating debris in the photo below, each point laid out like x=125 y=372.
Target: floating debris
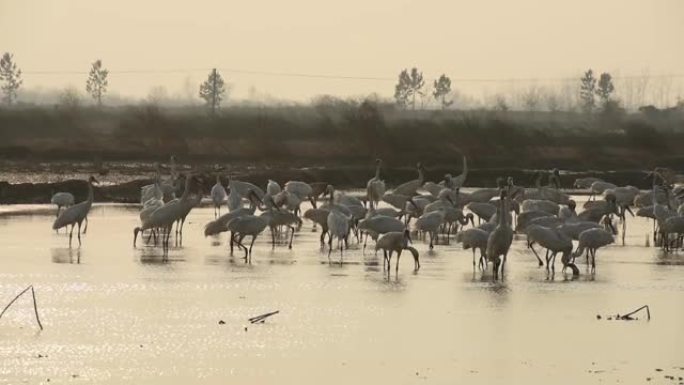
x=35 y=305
x=261 y=318
x=222 y=322
x=628 y=316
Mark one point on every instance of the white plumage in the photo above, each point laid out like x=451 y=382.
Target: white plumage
x=62 y=199
x=429 y=223
x=396 y=242
x=218 y=196
x=591 y=240
x=375 y=188
x=76 y=214
x=338 y=226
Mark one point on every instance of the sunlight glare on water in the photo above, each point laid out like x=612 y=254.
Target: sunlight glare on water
x=123 y=314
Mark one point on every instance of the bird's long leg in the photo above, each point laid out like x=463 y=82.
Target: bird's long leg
x=291 y=236
x=250 y=247
x=86 y=225
x=384 y=259
x=497 y=261
x=431 y=240
x=548 y=260
x=79 y=234
x=71 y=234
x=531 y=245
x=593 y=261
x=330 y=246
x=238 y=241
x=473 y=259
x=503 y=264
x=396 y=268
x=232 y=241
x=273 y=237
x=322 y=237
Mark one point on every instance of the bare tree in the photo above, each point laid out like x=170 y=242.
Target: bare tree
x=587 y=89
x=531 y=98
x=212 y=90
x=500 y=103
x=408 y=87
x=552 y=100
x=97 y=82
x=605 y=88
x=642 y=88
x=442 y=90
x=69 y=99
x=157 y=95
x=10 y=74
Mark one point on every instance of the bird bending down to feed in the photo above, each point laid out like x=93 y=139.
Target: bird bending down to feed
x=76 y=214
x=165 y=216
x=396 y=241
x=593 y=239
x=475 y=239
x=62 y=199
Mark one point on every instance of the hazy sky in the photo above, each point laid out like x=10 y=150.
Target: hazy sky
x=362 y=38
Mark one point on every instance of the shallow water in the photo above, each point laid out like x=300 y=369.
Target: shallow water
x=122 y=314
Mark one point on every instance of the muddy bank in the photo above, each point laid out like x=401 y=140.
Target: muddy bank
x=128 y=191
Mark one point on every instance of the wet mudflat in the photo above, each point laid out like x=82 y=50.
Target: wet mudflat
x=113 y=313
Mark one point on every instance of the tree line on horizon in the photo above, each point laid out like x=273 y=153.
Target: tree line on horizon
x=410 y=86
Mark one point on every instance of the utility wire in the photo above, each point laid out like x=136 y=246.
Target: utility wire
x=332 y=77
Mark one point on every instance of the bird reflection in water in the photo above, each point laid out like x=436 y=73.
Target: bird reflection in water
x=66 y=255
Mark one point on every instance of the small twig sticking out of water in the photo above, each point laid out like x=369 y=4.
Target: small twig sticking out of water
x=35 y=305
x=261 y=318
x=628 y=316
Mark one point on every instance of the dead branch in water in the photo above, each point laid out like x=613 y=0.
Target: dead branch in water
x=628 y=316
x=35 y=304
x=262 y=317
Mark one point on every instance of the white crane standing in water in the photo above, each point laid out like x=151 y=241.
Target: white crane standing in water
x=500 y=239
x=375 y=188
x=459 y=180
x=76 y=214
x=396 y=241
x=165 y=216
x=409 y=188
x=218 y=196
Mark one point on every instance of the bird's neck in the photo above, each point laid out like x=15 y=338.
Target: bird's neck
x=502 y=213
x=377 y=171
x=91 y=193
x=465 y=167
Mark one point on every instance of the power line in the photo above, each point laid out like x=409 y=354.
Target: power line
x=333 y=77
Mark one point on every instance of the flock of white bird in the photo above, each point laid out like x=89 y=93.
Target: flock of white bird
x=545 y=214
